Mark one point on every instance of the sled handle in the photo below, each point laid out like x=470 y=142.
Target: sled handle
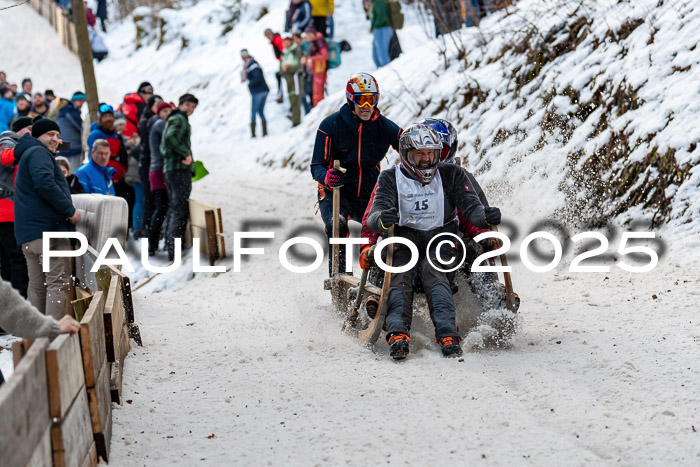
x=506 y=277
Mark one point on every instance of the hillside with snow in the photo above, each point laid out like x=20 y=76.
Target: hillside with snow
x=580 y=112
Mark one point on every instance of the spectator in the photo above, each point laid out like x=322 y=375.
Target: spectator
x=290 y=68
x=97 y=44
x=102 y=13
x=43 y=204
x=23 y=320
x=133 y=106
x=23 y=108
x=317 y=62
x=258 y=90
x=277 y=47
x=27 y=87
x=380 y=25
x=3 y=78
x=39 y=106
x=49 y=96
x=76 y=188
x=159 y=192
x=7 y=107
x=56 y=106
x=71 y=124
x=301 y=17
x=13 y=266
x=307 y=78
x=13 y=86
x=146 y=122
x=176 y=149
x=90 y=16
x=127 y=188
x=448 y=15
x=96 y=175
x=320 y=11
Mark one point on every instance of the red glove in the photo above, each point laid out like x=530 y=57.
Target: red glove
x=334 y=178
x=365 y=260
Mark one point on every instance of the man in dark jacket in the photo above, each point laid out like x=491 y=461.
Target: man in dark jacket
x=421 y=197
x=43 y=204
x=176 y=149
x=159 y=191
x=13 y=266
x=145 y=124
x=71 y=124
x=358 y=136
x=258 y=90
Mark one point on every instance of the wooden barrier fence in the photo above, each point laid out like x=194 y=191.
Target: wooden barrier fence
x=59 y=20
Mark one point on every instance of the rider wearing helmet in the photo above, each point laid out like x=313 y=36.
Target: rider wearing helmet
x=358 y=136
x=421 y=197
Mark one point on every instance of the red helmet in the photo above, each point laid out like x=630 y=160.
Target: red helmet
x=361 y=84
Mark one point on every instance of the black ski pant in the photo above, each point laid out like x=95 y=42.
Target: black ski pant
x=350 y=209
x=435 y=284
x=179 y=183
x=13 y=265
x=147 y=197
x=126 y=191
x=160 y=209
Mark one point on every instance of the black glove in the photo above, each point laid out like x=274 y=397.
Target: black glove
x=388 y=217
x=492 y=215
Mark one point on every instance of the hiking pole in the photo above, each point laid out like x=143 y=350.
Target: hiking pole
x=506 y=277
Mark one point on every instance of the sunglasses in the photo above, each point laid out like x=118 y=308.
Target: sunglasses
x=364 y=100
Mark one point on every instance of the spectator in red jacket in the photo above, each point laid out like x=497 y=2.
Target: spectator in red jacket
x=90 y=16
x=277 y=47
x=133 y=106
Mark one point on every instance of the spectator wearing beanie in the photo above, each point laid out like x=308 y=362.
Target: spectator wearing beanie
x=7 y=107
x=22 y=109
x=13 y=266
x=43 y=204
x=71 y=124
x=133 y=106
x=178 y=168
x=146 y=122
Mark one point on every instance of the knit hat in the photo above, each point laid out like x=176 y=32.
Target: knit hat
x=163 y=105
x=78 y=95
x=44 y=125
x=152 y=100
x=119 y=118
x=145 y=85
x=20 y=123
x=244 y=53
x=188 y=98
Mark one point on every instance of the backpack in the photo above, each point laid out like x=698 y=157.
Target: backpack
x=333 y=53
x=395 y=15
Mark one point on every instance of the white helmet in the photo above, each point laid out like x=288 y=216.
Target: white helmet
x=420 y=136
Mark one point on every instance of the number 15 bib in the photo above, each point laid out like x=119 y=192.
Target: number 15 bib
x=421 y=207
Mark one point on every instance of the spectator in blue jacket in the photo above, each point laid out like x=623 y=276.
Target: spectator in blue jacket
x=96 y=175
x=7 y=108
x=258 y=90
x=301 y=16
x=43 y=204
x=71 y=124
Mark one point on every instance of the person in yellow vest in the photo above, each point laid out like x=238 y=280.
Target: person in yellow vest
x=321 y=11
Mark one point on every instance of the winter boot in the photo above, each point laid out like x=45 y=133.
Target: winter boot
x=252 y=129
x=371 y=306
x=398 y=343
x=264 y=125
x=450 y=346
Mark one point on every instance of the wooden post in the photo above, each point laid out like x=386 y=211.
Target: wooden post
x=85 y=54
x=335 y=262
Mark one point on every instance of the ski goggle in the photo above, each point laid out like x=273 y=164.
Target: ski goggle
x=106 y=108
x=363 y=100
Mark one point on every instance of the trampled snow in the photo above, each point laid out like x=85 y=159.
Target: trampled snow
x=251 y=368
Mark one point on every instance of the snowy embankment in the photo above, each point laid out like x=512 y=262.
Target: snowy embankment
x=251 y=368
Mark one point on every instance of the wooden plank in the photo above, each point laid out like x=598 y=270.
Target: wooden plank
x=212 y=248
x=24 y=408
x=103 y=277
x=42 y=453
x=220 y=236
x=115 y=383
x=71 y=438
x=64 y=364
x=91 y=457
x=80 y=306
x=113 y=319
x=92 y=340
x=81 y=293
x=355 y=282
x=100 y=402
x=20 y=349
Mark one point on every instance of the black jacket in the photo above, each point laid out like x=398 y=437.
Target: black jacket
x=457 y=196
x=359 y=146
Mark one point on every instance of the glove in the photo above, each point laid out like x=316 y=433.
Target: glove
x=489 y=244
x=335 y=178
x=492 y=216
x=365 y=260
x=388 y=217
